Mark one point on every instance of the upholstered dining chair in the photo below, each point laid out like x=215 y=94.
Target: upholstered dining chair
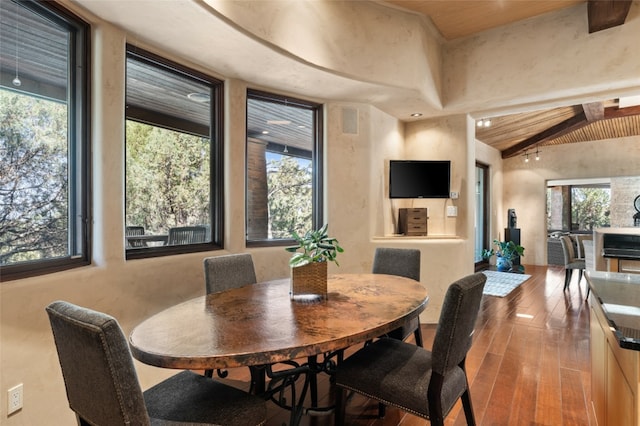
x=228 y=271
x=224 y=273
x=102 y=384
x=232 y=271
x=580 y=239
x=404 y=263
x=571 y=261
x=424 y=383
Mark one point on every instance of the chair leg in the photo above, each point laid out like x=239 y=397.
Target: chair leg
x=382 y=410
x=468 y=408
x=580 y=275
x=340 y=406
x=567 y=277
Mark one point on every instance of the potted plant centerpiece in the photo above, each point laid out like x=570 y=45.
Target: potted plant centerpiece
x=312 y=253
x=506 y=252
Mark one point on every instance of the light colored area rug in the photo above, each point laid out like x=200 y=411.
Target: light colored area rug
x=502 y=283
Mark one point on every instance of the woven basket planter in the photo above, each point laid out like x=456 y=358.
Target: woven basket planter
x=309 y=280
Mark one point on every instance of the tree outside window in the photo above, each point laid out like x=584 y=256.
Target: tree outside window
x=173 y=196
x=578 y=207
x=283 y=167
x=44 y=155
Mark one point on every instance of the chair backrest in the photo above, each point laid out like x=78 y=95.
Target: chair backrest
x=454 y=333
x=567 y=249
x=580 y=239
x=131 y=231
x=395 y=261
x=229 y=271
x=187 y=235
x=589 y=255
x=99 y=375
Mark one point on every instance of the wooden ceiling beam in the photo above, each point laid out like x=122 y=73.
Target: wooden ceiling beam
x=569 y=125
x=615 y=112
x=593 y=111
x=603 y=14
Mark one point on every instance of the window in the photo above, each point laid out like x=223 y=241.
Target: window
x=173 y=158
x=284 y=178
x=578 y=206
x=44 y=145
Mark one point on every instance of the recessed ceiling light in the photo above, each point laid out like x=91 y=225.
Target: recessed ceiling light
x=199 y=97
x=265 y=132
x=416 y=114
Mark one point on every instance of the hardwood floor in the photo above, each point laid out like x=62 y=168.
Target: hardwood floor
x=529 y=363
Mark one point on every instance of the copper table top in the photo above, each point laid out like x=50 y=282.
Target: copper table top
x=259 y=324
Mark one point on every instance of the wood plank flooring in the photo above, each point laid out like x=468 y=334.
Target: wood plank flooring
x=529 y=363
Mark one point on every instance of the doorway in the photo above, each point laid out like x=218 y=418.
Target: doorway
x=482 y=215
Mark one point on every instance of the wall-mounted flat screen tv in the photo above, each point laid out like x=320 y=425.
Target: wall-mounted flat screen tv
x=419 y=179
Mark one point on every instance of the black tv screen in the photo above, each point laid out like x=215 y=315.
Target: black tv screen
x=419 y=179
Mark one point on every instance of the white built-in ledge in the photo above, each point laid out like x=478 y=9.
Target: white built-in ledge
x=417 y=237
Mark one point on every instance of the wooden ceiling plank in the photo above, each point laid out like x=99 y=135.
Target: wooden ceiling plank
x=594 y=111
x=569 y=125
x=603 y=14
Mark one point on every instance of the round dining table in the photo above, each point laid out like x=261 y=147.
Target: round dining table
x=260 y=324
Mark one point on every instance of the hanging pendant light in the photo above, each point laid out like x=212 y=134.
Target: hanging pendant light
x=16 y=81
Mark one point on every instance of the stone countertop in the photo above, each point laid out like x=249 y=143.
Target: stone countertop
x=619 y=296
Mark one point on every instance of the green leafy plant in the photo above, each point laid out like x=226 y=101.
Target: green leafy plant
x=506 y=252
x=316 y=246
x=506 y=249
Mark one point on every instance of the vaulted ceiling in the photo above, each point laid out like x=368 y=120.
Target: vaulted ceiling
x=512 y=134
x=517 y=134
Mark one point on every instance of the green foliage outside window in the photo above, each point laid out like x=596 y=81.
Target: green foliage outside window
x=33 y=178
x=290 y=196
x=590 y=208
x=168 y=178
x=578 y=208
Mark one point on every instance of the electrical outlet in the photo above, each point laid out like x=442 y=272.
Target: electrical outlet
x=452 y=211
x=454 y=195
x=14 y=399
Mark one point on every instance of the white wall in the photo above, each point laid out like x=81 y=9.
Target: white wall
x=525 y=183
x=357 y=212
x=498 y=212
x=542 y=61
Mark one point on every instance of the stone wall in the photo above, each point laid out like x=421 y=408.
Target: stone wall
x=257 y=199
x=624 y=191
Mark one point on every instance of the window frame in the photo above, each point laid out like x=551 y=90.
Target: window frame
x=78 y=145
x=317 y=161
x=567 y=210
x=216 y=160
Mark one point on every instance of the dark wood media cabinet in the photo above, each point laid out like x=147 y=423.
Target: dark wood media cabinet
x=412 y=221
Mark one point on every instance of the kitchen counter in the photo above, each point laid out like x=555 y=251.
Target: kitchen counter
x=615 y=347
x=619 y=297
